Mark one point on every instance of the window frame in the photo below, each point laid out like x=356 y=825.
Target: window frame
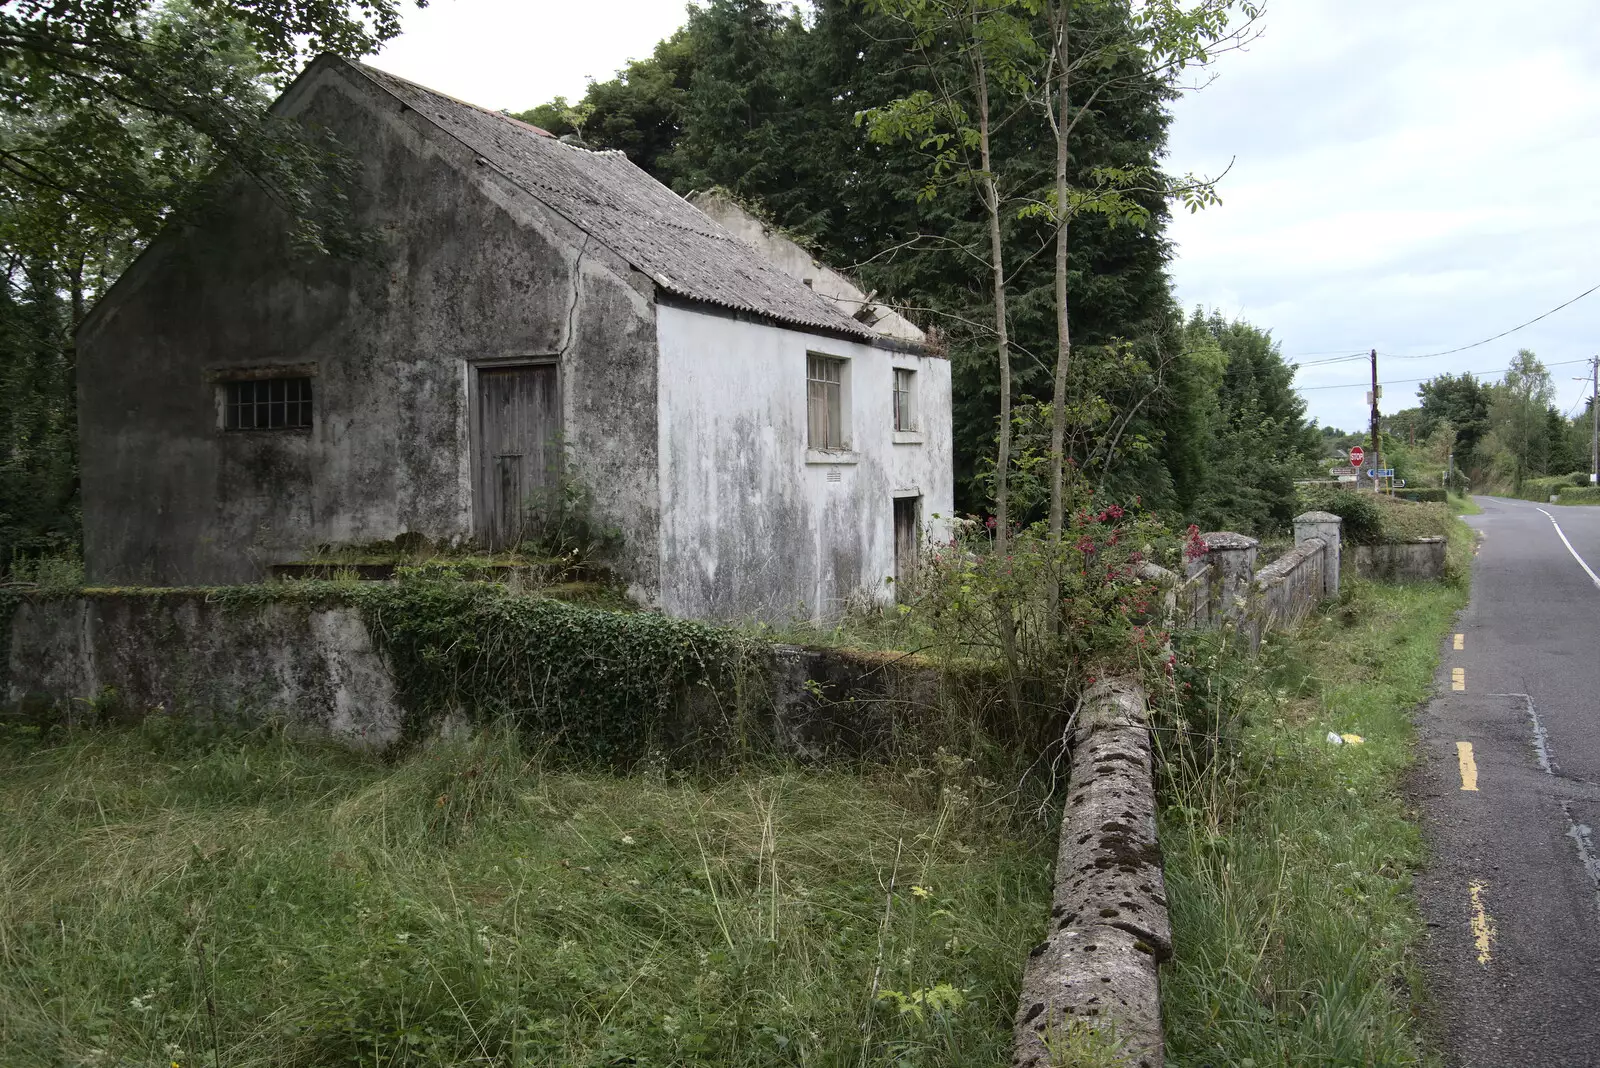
x=905 y=400
x=827 y=402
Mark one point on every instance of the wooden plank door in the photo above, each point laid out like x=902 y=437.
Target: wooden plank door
x=519 y=450
x=907 y=543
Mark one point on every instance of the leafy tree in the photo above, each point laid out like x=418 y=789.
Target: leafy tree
x=1260 y=442
x=639 y=112
x=1410 y=424
x=1519 y=420
x=1165 y=39
x=951 y=118
x=1561 y=457
x=1335 y=442
x=1463 y=402
x=88 y=86
x=38 y=424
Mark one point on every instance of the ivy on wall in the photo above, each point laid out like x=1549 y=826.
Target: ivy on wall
x=602 y=684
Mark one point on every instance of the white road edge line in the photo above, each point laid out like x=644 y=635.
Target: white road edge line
x=1563 y=536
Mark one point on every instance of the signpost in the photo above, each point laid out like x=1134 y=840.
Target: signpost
x=1357 y=454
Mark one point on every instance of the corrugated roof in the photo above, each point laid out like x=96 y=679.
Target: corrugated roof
x=619 y=205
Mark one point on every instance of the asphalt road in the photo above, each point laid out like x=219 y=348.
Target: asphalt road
x=1511 y=892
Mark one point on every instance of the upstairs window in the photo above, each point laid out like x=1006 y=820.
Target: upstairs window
x=267 y=404
x=905 y=390
x=825 y=381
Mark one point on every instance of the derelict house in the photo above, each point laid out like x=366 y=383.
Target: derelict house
x=534 y=307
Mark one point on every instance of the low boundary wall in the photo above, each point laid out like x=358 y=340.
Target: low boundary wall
x=1220 y=582
x=119 y=654
x=1420 y=560
x=122 y=655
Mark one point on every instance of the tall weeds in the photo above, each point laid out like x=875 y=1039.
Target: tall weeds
x=247 y=900
x=1289 y=858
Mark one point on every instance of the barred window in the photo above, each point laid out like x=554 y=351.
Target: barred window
x=267 y=404
x=825 y=402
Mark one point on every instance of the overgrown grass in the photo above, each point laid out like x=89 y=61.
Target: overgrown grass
x=167 y=897
x=1403 y=519
x=1289 y=860
x=1463 y=504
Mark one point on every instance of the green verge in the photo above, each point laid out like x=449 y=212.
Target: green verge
x=1462 y=504
x=1289 y=859
x=170 y=893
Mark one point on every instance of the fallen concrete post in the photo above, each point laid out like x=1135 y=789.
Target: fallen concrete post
x=1109 y=929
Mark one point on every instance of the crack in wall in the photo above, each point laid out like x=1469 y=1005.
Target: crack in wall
x=572 y=309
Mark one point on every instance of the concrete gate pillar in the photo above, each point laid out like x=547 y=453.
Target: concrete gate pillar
x=1328 y=527
x=1232 y=559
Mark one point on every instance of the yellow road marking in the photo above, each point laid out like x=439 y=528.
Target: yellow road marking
x=1469 y=766
x=1458 y=678
x=1461 y=641
x=1483 y=931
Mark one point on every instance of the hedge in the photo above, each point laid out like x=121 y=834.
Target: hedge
x=1542 y=489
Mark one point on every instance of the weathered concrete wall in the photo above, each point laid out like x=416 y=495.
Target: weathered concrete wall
x=319 y=669
x=1227 y=568
x=753 y=523
x=468 y=268
x=316 y=668
x=1222 y=583
x=1421 y=560
x=1287 y=589
x=796 y=262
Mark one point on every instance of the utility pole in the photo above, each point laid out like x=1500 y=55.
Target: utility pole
x=1594 y=419
x=1377 y=440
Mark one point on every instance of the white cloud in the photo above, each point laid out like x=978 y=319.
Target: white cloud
x=1410 y=177
x=514 y=54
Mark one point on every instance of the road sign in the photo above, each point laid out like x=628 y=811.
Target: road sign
x=1357 y=454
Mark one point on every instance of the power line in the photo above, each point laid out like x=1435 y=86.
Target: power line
x=1337 y=359
x=1351 y=356
x=1497 y=337
x=1404 y=381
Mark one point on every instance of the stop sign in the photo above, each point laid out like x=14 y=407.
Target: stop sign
x=1357 y=454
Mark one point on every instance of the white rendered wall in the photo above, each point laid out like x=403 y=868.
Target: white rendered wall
x=753 y=524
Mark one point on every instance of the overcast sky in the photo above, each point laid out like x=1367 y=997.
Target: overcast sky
x=1408 y=176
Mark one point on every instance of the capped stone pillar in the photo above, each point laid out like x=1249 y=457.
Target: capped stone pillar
x=1328 y=527
x=1232 y=559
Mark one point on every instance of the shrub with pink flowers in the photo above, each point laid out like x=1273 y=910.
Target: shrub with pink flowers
x=1050 y=612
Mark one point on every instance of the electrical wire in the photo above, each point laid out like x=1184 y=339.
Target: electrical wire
x=1404 y=381
x=1497 y=337
x=1336 y=359
x=1429 y=355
